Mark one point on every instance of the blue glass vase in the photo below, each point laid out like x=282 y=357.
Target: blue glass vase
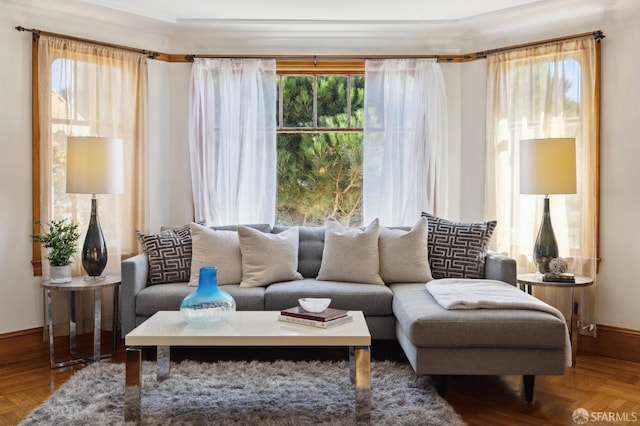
x=208 y=305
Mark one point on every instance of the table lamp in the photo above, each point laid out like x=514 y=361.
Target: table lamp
x=547 y=166
x=95 y=166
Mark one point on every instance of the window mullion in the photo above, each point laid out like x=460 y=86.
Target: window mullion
x=315 y=101
x=348 y=101
x=281 y=101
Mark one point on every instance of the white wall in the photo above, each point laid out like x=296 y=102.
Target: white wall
x=20 y=294
x=472 y=129
x=618 y=290
x=451 y=74
x=170 y=194
x=181 y=198
x=159 y=145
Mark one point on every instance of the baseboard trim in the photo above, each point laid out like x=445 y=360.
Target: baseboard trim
x=612 y=342
x=28 y=331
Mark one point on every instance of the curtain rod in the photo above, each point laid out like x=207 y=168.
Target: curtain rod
x=37 y=33
x=597 y=35
x=446 y=58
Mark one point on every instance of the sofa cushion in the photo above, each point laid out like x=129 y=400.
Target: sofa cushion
x=216 y=248
x=351 y=254
x=372 y=299
x=310 y=246
x=168 y=297
x=457 y=249
x=404 y=255
x=427 y=324
x=168 y=253
x=268 y=258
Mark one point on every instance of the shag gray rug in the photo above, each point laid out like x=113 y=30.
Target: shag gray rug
x=251 y=393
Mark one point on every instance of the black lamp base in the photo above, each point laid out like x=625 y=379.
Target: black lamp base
x=94 y=250
x=546 y=246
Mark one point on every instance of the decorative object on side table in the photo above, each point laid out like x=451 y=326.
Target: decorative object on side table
x=547 y=166
x=95 y=166
x=558 y=266
x=558 y=278
x=60 y=239
x=558 y=272
x=208 y=304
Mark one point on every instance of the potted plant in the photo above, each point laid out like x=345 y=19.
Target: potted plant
x=61 y=241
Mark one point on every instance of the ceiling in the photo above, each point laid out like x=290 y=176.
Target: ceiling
x=333 y=26
x=306 y=10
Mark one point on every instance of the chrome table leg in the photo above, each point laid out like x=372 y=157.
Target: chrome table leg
x=97 y=323
x=360 y=374
x=163 y=363
x=133 y=381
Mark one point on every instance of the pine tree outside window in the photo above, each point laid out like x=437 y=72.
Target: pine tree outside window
x=320 y=120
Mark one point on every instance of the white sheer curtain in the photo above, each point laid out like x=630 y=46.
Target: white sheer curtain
x=541 y=92
x=91 y=90
x=232 y=140
x=405 y=133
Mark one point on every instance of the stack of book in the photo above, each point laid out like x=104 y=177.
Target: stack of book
x=559 y=278
x=330 y=317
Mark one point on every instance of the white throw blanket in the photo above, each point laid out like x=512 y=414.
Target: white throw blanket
x=453 y=293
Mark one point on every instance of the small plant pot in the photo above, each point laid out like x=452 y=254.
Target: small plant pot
x=60 y=274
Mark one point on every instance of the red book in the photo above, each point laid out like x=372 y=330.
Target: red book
x=328 y=314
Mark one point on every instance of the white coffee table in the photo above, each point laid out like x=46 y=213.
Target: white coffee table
x=245 y=328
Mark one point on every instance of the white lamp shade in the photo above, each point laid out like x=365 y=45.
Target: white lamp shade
x=95 y=165
x=548 y=166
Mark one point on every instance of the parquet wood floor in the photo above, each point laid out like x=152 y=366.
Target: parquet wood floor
x=608 y=388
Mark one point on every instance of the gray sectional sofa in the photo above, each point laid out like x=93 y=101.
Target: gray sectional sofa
x=436 y=341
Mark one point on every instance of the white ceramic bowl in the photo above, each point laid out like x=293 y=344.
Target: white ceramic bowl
x=314 y=304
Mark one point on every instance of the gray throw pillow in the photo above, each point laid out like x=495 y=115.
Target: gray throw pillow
x=216 y=248
x=268 y=258
x=351 y=254
x=169 y=255
x=458 y=249
x=404 y=255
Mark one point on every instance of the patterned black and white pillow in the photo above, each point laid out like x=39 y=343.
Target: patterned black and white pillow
x=169 y=255
x=458 y=249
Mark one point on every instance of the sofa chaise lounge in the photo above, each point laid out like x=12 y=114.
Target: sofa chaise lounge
x=436 y=341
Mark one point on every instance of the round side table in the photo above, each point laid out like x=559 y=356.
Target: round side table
x=82 y=284
x=531 y=280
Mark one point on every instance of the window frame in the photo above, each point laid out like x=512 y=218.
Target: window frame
x=315 y=69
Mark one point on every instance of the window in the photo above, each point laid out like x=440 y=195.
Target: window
x=544 y=92
x=89 y=90
x=69 y=112
x=320 y=120
x=547 y=103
